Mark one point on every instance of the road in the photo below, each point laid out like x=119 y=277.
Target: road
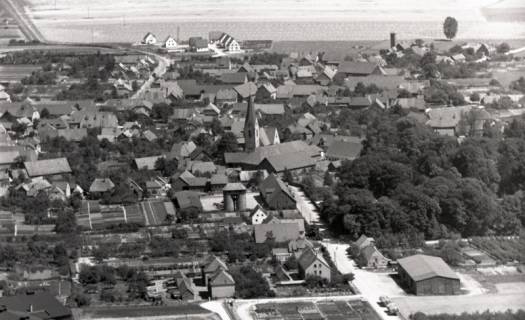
x=370 y=285
x=25 y=24
x=160 y=70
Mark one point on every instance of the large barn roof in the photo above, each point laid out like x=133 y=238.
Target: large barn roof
x=421 y=267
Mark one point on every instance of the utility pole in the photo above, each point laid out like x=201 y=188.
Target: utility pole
x=178 y=34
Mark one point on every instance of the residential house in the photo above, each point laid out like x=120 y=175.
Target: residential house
x=149 y=39
x=312 y=263
x=101 y=186
x=279 y=231
x=372 y=258
x=234 y=78
x=186 y=289
x=226 y=97
x=245 y=91
x=198 y=44
x=34 y=306
x=266 y=92
x=276 y=194
x=170 y=43
x=344 y=150
x=147 y=163
x=326 y=77
x=258 y=215
x=210 y=266
x=352 y=68
x=228 y=43
x=221 y=285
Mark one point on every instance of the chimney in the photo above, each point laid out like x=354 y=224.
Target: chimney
x=392 y=39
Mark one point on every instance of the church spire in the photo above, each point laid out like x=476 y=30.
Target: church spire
x=251 y=127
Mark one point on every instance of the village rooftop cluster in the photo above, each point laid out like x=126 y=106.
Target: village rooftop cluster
x=171 y=174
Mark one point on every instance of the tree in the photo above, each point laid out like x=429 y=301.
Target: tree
x=66 y=221
x=474 y=97
x=450 y=27
x=291 y=263
x=503 y=47
x=227 y=143
x=44 y=113
x=328 y=180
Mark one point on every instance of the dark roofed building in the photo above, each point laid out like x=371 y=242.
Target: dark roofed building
x=35 y=306
x=276 y=193
x=312 y=263
x=352 y=68
x=344 y=150
x=428 y=275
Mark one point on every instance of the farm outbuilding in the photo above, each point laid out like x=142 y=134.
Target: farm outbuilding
x=427 y=275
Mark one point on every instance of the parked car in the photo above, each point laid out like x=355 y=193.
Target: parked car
x=384 y=301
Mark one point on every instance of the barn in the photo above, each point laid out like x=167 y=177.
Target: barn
x=427 y=275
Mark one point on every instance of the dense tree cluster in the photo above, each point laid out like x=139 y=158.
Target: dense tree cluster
x=250 y=283
x=410 y=180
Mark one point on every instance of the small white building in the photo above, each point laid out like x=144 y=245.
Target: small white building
x=258 y=215
x=149 y=39
x=170 y=43
x=229 y=43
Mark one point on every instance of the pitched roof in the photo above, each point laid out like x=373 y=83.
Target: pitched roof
x=182 y=150
x=234 y=187
x=234 y=78
x=282 y=232
x=421 y=267
x=246 y=90
x=188 y=199
x=47 y=167
x=448 y=117
x=101 y=185
x=213 y=264
x=272 y=184
x=147 y=162
x=254 y=158
x=353 y=67
x=383 y=82
x=308 y=257
x=47 y=305
x=348 y=150
x=222 y=278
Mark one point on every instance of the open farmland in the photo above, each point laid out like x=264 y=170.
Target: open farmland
x=15 y=73
x=503 y=249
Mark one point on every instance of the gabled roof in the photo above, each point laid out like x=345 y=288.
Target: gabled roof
x=147 y=162
x=421 y=267
x=347 y=150
x=47 y=305
x=222 y=278
x=352 y=67
x=212 y=264
x=246 y=90
x=182 y=150
x=234 y=187
x=308 y=257
x=234 y=78
x=47 y=167
x=282 y=232
x=273 y=184
x=101 y=185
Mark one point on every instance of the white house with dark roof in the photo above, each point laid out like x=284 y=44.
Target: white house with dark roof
x=170 y=43
x=149 y=39
x=312 y=263
x=228 y=43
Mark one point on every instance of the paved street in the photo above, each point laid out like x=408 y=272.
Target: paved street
x=159 y=71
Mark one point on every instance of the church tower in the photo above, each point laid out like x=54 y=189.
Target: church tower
x=251 y=128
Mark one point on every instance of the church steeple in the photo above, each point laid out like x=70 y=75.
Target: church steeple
x=251 y=127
